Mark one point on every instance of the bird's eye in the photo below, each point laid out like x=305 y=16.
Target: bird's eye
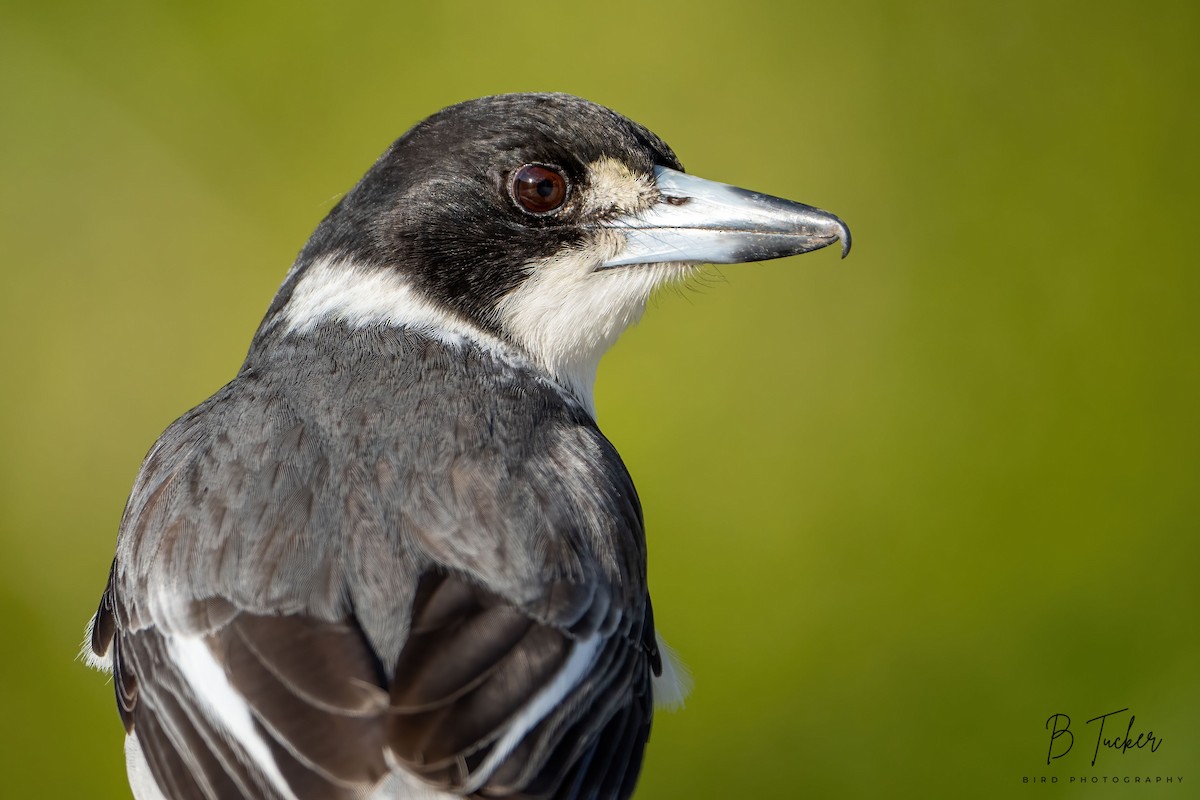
x=539 y=189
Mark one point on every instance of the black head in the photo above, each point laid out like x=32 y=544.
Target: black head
x=439 y=205
x=543 y=221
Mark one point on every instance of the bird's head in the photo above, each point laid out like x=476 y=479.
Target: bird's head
x=540 y=221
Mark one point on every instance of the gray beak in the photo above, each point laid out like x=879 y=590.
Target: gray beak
x=708 y=222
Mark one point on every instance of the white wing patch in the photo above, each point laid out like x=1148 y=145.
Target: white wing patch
x=228 y=710
x=583 y=655
x=141 y=782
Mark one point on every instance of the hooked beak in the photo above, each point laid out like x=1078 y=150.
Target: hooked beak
x=702 y=221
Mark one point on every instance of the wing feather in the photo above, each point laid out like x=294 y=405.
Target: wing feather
x=290 y=619
x=448 y=732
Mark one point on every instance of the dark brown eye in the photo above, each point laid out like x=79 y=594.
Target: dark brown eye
x=539 y=189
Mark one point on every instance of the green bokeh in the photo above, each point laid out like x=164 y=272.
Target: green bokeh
x=901 y=509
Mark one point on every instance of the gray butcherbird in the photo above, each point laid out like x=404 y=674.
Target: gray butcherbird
x=395 y=557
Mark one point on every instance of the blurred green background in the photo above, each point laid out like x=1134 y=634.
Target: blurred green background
x=901 y=508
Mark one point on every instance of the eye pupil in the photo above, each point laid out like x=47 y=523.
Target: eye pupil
x=539 y=189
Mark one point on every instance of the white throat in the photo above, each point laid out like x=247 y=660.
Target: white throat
x=567 y=314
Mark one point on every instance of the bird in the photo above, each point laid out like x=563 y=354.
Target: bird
x=395 y=557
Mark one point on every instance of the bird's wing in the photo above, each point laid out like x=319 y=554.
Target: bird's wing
x=486 y=698
x=246 y=705
x=239 y=682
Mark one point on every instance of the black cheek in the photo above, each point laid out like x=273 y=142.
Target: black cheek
x=468 y=256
